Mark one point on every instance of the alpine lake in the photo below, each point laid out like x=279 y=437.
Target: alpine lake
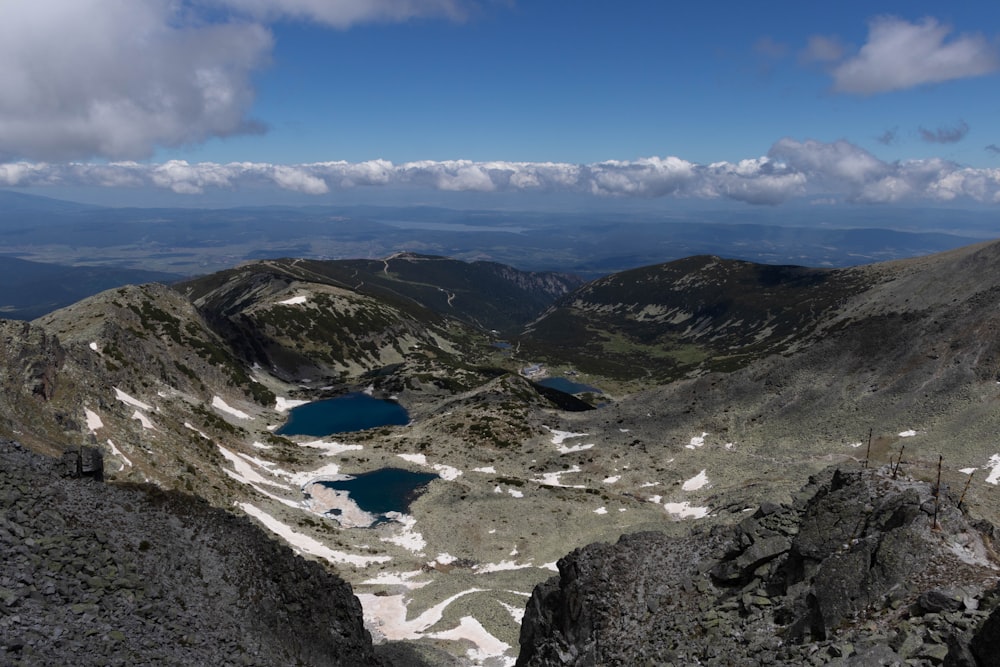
x=377 y=493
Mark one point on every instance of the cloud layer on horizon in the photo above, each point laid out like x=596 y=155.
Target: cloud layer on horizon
x=791 y=169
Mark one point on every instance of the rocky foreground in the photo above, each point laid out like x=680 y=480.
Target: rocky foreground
x=99 y=574
x=856 y=571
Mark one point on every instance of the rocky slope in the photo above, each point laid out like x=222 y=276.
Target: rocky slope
x=94 y=574
x=863 y=567
x=703 y=314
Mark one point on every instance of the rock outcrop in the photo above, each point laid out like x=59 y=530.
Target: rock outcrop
x=861 y=569
x=96 y=574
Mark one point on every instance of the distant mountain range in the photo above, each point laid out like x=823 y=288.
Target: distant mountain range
x=589 y=244
x=32 y=289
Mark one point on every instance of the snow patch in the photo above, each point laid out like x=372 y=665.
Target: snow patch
x=190 y=426
x=397 y=579
x=564 y=449
x=134 y=402
x=387 y=614
x=93 y=420
x=330 y=471
x=601 y=510
x=294 y=301
x=443 y=559
x=612 y=479
x=696 y=482
x=968 y=471
x=419 y=459
x=93 y=346
x=406 y=537
x=245 y=471
x=447 y=472
x=222 y=406
x=306 y=544
x=490 y=470
x=117 y=452
x=994 y=466
x=502 y=566
x=332 y=448
x=559 y=436
x=338 y=505
x=144 y=420
x=515 y=493
x=907 y=434
x=553 y=478
x=696 y=441
x=471 y=630
x=685 y=510
x=282 y=404
x=517 y=613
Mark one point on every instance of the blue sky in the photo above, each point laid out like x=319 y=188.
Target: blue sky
x=756 y=103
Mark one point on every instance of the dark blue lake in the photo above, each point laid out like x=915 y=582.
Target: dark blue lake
x=352 y=412
x=568 y=386
x=383 y=490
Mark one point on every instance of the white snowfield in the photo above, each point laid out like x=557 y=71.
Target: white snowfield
x=558 y=437
x=406 y=536
x=685 y=510
x=117 y=452
x=246 y=473
x=282 y=404
x=338 y=504
x=696 y=482
x=306 y=544
x=222 y=406
x=331 y=448
x=192 y=427
x=555 y=478
x=994 y=466
x=446 y=472
x=129 y=400
x=294 y=301
x=696 y=441
x=93 y=420
x=570 y=449
x=146 y=422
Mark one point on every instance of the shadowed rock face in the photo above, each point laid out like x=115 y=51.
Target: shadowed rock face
x=98 y=574
x=854 y=569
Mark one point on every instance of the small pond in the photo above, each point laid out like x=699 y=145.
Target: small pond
x=366 y=499
x=343 y=414
x=568 y=386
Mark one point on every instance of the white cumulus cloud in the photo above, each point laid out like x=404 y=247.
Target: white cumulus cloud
x=900 y=55
x=116 y=79
x=84 y=78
